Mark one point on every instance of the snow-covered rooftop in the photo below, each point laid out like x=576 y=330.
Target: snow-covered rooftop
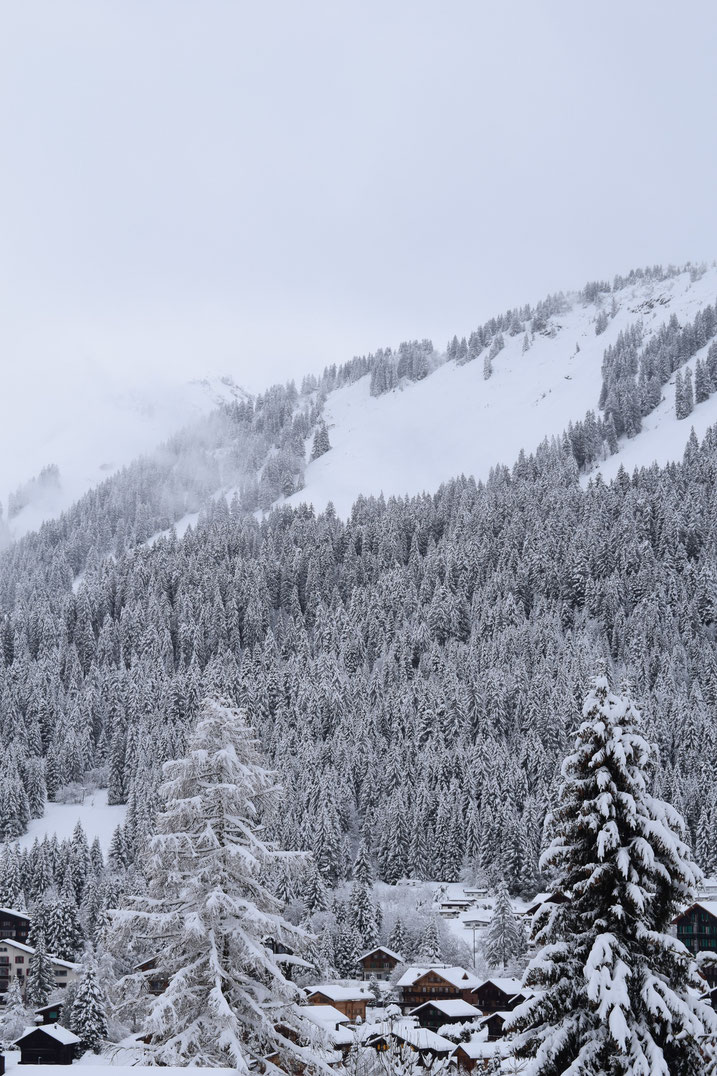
x=323 y=1015
x=457 y=977
x=382 y=949
x=339 y=993
x=508 y=986
x=55 y=1031
x=419 y=1037
x=451 y=1007
x=16 y=913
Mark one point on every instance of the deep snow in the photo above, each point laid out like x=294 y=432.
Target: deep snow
x=456 y=422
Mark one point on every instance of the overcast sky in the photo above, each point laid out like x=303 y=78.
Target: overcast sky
x=266 y=187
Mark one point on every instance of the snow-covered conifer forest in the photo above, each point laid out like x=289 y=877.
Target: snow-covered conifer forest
x=338 y=704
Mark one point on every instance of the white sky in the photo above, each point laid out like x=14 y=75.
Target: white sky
x=261 y=188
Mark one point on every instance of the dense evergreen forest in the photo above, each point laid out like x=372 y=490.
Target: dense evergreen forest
x=414 y=672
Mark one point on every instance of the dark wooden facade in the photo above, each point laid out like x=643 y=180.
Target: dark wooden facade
x=697 y=927
x=50 y=1014
x=494 y=1023
x=431 y=1016
x=380 y=962
x=40 y=1047
x=354 y=1008
x=433 y=985
x=157 y=982
x=14 y=924
x=490 y=997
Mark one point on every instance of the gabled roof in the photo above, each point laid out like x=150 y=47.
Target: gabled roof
x=544 y=898
x=450 y=1007
x=502 y=1013
x=419 y=1037
x=457 y=977
x=511 y=987
x=14 y=912
x=48 y=1008
x=477 y=1048
x=709 y=906
x=382 y=949
x=323 y=1014
x=28 y=949
x=339 y=993
x=60 y=1034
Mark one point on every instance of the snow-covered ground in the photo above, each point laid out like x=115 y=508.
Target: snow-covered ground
x=456 y=422
x=94 y=1063
x=97 y=817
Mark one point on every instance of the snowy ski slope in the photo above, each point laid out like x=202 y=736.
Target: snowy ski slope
x=456 y=422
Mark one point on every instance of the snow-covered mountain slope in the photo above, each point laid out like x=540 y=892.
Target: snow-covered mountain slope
x=457 y=422
x=87 y=424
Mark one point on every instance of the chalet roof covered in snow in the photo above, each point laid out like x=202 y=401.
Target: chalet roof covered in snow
x=339 y=993
x=477 y=1048
x=15 y=913
x=382 y=949
x=508 y=986
x=451 y=1007
x=709 y=906
x=323 y=1014
x=457 y=977
x=55 y=1031
x=419 y=1037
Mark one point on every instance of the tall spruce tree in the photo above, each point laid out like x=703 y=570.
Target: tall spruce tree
x=206 y=910
x=614 y=991
x=40 y=979
x=87 y=1017
x=504 y=942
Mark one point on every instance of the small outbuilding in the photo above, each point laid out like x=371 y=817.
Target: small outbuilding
x=49 y=1044
x=50 y=1014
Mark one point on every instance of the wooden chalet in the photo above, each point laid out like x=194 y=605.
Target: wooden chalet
x=494 y=1024
x=411 y=1041
x=14 y=924
x=477 y=1055
x=436 y=1014
x=333 y=1024
x=50 y=1014
x=417 y=985
x=544 y=898
x=379 y=963
x=696 y=927
x=157 y=982
x=498 y=995
x=50 y=1044
x=349 y=1000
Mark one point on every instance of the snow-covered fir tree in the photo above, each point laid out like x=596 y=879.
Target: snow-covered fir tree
x=206 y=911
x=615 y=992
x=321 y=443
x=15 y=1014
x=87 y=1017
x=504 y=942
x=40 y=977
